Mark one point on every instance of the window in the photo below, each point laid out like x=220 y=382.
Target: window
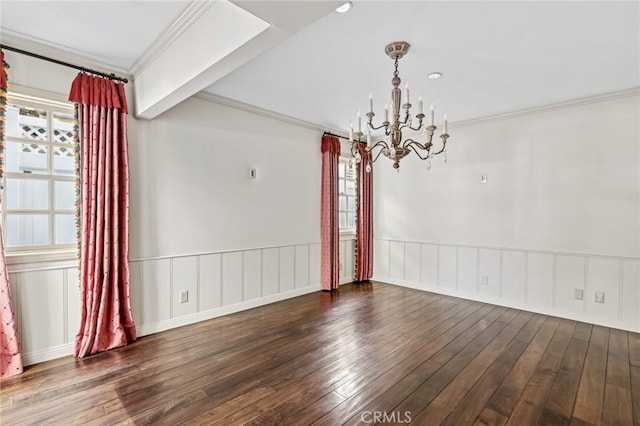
x=347 y=196
x=38 y=200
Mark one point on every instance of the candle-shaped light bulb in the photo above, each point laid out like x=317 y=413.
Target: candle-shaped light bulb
x=359 y=122
x=386 y=112
x=350 y=131
x=369 y=139
x=445 y=124
x=420 y=104
x=406 y=93
x=431 y=116
x=370 y=101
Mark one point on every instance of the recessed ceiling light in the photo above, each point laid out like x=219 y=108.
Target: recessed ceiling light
x=344 y=8
x=435 y=75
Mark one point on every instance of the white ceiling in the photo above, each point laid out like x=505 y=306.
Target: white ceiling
x=116 y=33
x=496 y=56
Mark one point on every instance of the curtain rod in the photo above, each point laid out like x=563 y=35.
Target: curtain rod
x=337 y=136
x=66 y=64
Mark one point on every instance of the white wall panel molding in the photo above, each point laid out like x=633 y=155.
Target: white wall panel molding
x=533 y=280
x=47 y=298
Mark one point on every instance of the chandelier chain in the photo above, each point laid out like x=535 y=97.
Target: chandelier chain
x=396 y=72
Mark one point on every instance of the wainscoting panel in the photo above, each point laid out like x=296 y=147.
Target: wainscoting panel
x=412 y=262
x=381 y=258
x=302 y=266
x=184 y=276
x=232 y=278
x=43 y=317
x=569 y=277
x=448 y=267
x=396 y=259
x=210 y=274
x=428 y=264
x=513 y=275
x=467 y=276
x=73 y=308
x=156 y=290
x=287 y=268
x=252 y=276
x=604 y=276
x=47 y=298
x=630 y=308
x=539 y=279
x=489 y=267
x=533 y=280
x=314 y=264
x=270 y=271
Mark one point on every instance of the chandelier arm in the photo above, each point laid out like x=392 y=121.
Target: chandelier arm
x=380 y=144
x=372 y=127
x=444 y=146
x=415 y=129
x=411 y=145
x=444 y=138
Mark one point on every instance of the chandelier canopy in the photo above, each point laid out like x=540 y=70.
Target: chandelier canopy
x=395 y=148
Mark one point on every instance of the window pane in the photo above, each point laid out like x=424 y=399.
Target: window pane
x=27 y=194
x=62 y=127
x=350 y=172
x=26 y=158
x=65 y=195
x=351 y=220
x=64 y=161
x=343 y=220
x=65 y=229
x=27 y=230
x=342 y=203
x=351 y=188
x=341 y=169
x=351 y=204
x=28 y=123
x=341 y=188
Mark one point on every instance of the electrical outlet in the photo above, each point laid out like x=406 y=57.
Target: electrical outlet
x=578 y=294
x=599 y=297
x=484 y=179
x=184 y=296
x=484 y=280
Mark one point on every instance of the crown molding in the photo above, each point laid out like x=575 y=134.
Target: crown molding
x=61 y=53
x=190 y=15
x=589 y=100
x=216 y=99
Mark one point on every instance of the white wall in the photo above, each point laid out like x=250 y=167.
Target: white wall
x=560 y=210
x=198 y=222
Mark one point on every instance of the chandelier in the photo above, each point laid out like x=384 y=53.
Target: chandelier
x=395 y=148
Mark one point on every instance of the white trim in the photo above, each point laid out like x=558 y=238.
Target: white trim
x=146 y=329
x=519 y=249
x=221 y=100
x=187 y=18
x=41 y=355
x=589 y=100
x=501 y=302
x=204 y=253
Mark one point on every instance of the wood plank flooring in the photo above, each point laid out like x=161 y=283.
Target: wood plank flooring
x=372 y=353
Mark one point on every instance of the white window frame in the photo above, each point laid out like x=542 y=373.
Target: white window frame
x=348 y=231
x=52 y=103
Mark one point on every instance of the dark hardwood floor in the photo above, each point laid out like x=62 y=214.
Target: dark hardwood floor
x=373 y=353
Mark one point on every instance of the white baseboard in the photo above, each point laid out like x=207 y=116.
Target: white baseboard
x=48 y=354
x=146 y=329
x=508 y=303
